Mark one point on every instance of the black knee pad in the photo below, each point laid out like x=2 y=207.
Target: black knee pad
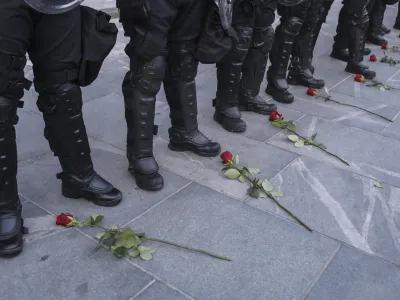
x=64 y=100
x=12 y=79
x=183 y=62
x=239 y=49
x=148 y=76
x=263 y=39
x=293 y=25
x=360 y=19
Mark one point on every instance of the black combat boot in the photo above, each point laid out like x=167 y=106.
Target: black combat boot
x=253 y=72
x=139 y=115
x=61 y=105
x=229 y=71
x=282 y=48
x=11 y=222
x=376 y=16
x=180 y=91
x=357 y=41
x=376 y=39
x=385 y=30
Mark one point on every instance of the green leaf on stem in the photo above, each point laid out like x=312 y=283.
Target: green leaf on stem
x=299 y=144
x=377 y=184
x=134 y=254
x=276 y=194
x=119 y=251
x=113 y=228
x=232 y=174
x=242 y=179
x=254 y=192
x=100 y=235
x=146 y=253
x=267 y=186
x=237 y=159
x=254 y=171
x=290 y=125
x=277 y=123
x=293 y=138
x=104 y=236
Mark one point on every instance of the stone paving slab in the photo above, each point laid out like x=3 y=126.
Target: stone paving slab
x=365 y=151
x=341 y=205
x=51 y=268
x=267 y=253
x=354 y=275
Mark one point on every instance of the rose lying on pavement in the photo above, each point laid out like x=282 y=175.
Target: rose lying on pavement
x=123 y=242
x=66 y=220
x=359 y=78
x=227 y=157
x=384 y=46
x=275 y=116
x=372 y=57
x=312 y=92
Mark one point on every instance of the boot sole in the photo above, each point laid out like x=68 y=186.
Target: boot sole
x=182 y=148
x=294 y=82
x=272 y=95
x=218 y=119
x=11 y=252
x=265 y=113
x=90 y=197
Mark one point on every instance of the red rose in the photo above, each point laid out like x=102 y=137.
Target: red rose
x=312 y=92
x=226 y=157
x=275 y=116
x=359 y=78
x=384 y=46
x=65 y=220
x=372 y=57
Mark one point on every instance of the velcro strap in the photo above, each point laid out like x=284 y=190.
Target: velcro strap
x=12 y=62
x=51 y=78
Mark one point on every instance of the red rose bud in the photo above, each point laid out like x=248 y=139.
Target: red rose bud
x=226 y=157
x=312 y=92
x=359 y=78
x=66 y=220
x=372 y=57
x=275 y=116
x=384 y=46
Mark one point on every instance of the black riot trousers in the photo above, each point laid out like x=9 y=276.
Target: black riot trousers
x=161 y=49
x=53 y=43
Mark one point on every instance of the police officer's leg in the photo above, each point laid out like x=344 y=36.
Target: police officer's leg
x=13 y=45
x=299 y=71
x=179 y=82
x=180 y=91
x=147 y=52
x=55 y=54
x=326 y=6
x=292 y=19
x=254 y=66
x=357 y=25
x=376 y=16
x=397 y=23
x=229 y=69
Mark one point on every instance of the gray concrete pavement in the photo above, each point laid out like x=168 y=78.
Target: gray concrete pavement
x=353 y=253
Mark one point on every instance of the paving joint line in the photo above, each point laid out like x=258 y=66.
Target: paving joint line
x=321 y=272
x=157 y=204
x=143 y=289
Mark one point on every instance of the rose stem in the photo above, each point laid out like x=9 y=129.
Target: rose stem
x=326 y=151
x=187 y=248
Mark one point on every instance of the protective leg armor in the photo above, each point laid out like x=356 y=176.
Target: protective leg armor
x=140 y=87
x=285 y=35
x=376 y=14
x=341 y=39
x=299 y=71
x=229 y=71
x=180 y=91
x=60 y=101
x=12 y=83
x=253 y=71
x=357 y=28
